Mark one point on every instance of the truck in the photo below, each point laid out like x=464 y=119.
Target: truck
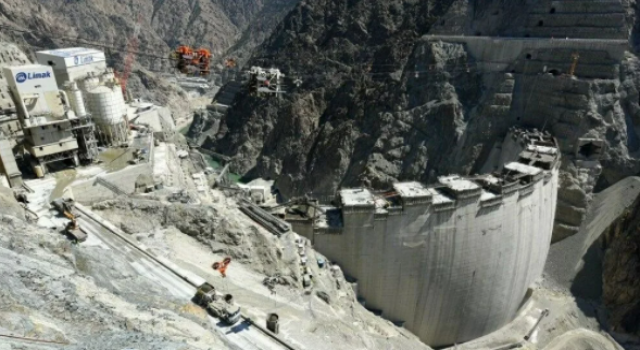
x=222 y=307
x=65 y=206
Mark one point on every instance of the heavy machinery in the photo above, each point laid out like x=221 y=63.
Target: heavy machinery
x=230 y=63
x=192 y=62
x=65 y=206
x=218 y=306
x=265 y=81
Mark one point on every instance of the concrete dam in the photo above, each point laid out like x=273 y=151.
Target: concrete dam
x=453 y=261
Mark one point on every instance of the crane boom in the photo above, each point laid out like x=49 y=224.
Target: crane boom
x=132 y=48
x=574 y=64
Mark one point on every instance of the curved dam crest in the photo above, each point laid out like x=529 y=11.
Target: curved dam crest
x=449 y=262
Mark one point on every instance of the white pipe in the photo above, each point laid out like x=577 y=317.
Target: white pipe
x=77 y=100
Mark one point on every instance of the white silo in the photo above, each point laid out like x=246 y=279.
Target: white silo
x=107 y=106
x=76 y=100
x=89 y=82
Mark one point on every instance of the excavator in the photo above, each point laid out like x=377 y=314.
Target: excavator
x=65 y=206
x=192 y=62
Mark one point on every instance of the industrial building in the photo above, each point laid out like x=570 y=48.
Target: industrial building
x=450 y=262
x=59 y=109
x=73 y=64
x=96 y=85
x=45 y=118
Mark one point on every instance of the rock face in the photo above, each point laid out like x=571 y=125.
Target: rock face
x=621 y=272
x=380 y=103
x=86 y=298
x=225 y=235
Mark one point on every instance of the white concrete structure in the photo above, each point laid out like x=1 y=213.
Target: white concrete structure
x=76 y=99
x=108 y=109
x=45 y=119
x=74 y=63
x=260 y=191
x=451 y=262
x=158 y=119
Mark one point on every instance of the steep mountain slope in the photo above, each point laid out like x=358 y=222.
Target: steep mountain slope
x=380 y=102
x=318 y=137
x=60 y=295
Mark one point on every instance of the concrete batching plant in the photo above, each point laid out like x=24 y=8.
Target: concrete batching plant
x=44 y=116
x=85 y=73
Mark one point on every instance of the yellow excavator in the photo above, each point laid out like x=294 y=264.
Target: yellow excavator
x=65 y=206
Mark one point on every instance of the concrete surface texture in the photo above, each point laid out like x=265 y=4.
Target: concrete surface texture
x=454 y=262
x=497 y=54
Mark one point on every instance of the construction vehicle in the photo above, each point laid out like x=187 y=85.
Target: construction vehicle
x=65 y=206
x=218 y=306
x=192 y=62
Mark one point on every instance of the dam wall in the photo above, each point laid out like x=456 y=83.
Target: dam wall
x=500 y=54
x=450 y=262
x=604 y=19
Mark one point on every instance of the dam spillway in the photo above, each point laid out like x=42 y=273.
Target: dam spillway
x=450 y=262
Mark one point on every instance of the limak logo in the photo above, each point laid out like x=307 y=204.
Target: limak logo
x=22 y=76
x=82 y=60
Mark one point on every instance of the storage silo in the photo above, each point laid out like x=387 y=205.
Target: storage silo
x=89 y=83
x=75 y=98
x=107 y=106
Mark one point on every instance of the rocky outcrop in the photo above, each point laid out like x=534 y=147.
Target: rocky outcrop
x=225 y=234
x=61 y=296
x=322 y=135
x=8 y=204
x=621 y=272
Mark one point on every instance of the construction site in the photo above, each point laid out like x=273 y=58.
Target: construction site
x=119 y=232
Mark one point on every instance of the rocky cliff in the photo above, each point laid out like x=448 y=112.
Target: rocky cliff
x=382 y=99
x=621 y=272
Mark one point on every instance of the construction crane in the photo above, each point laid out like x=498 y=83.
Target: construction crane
x=575 y=56
x=132 y=48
